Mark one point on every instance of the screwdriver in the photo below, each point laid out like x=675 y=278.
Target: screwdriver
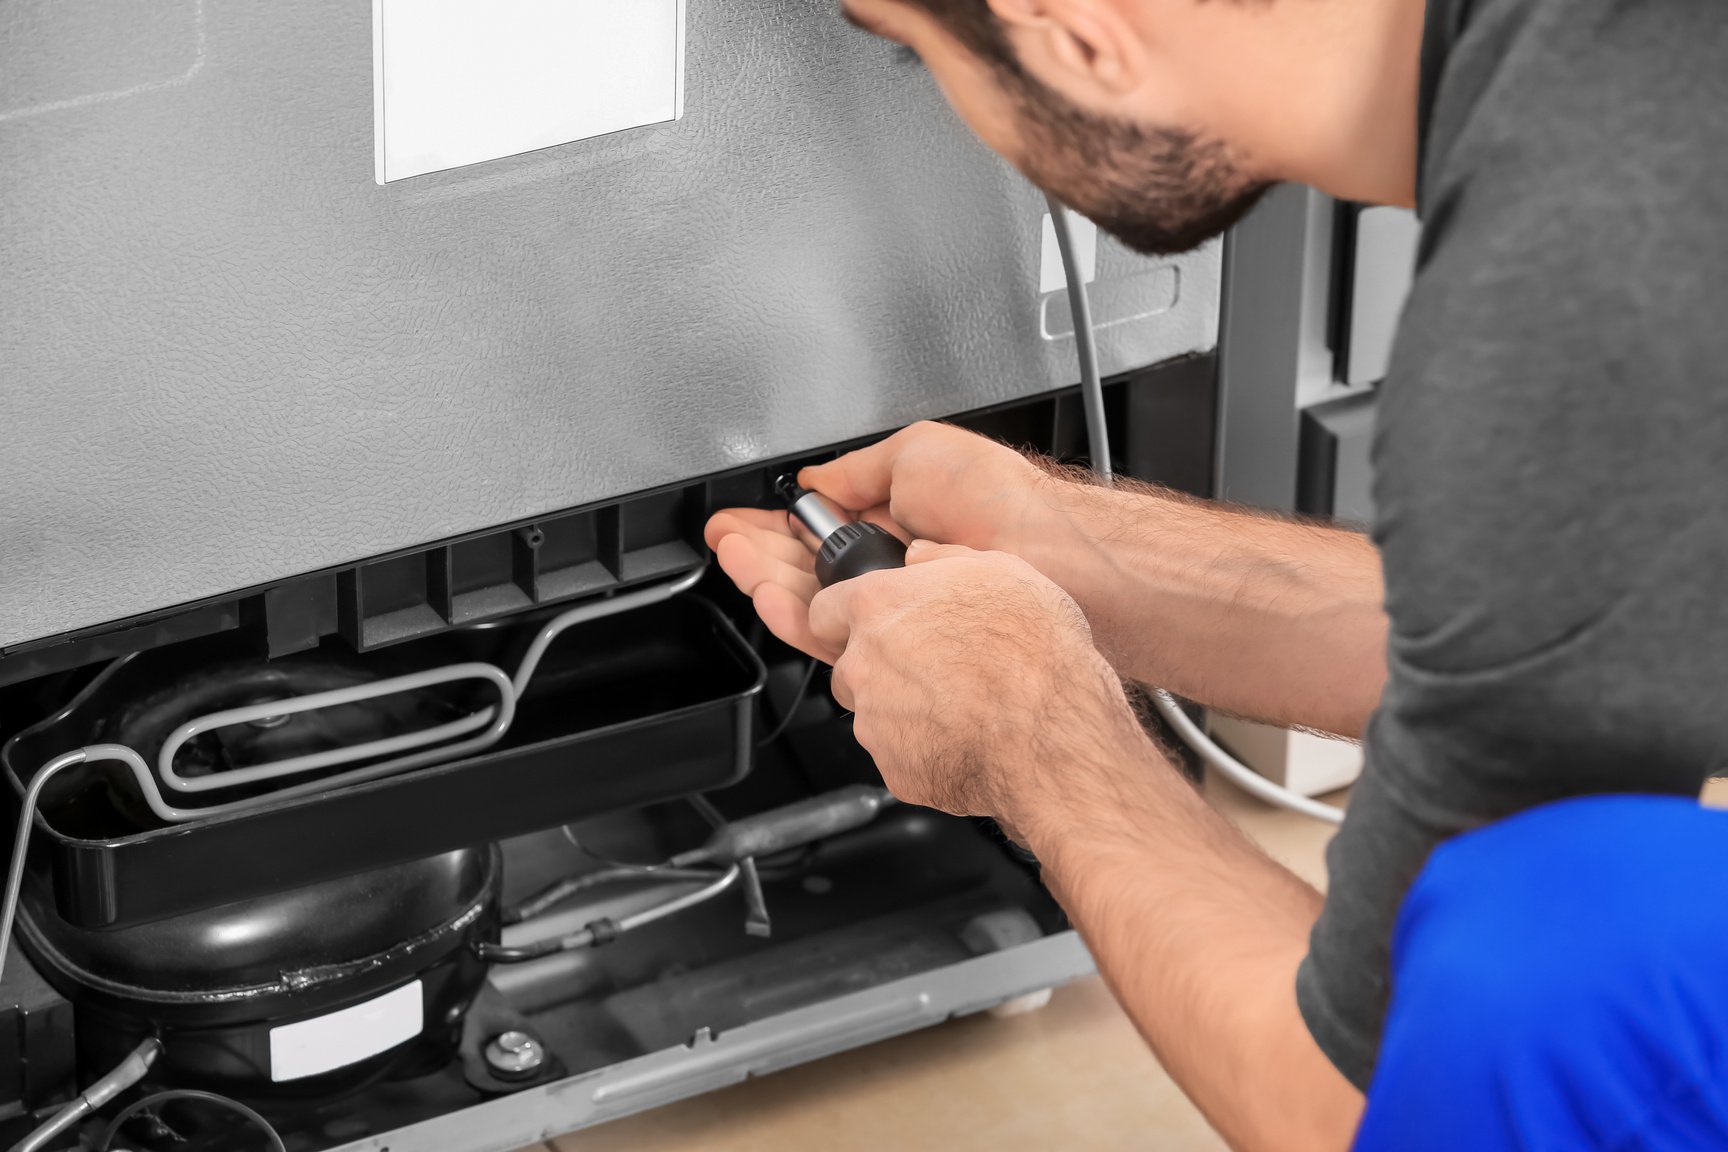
x=848 y=547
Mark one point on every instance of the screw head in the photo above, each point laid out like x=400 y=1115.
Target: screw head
x=515 y=1054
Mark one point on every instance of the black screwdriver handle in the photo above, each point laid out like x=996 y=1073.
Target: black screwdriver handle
x=855 y=549
x=849 y=547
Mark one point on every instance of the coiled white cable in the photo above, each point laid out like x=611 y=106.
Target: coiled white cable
x=1098 y=447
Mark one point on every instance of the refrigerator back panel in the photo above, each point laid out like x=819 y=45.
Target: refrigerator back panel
x=230 y=355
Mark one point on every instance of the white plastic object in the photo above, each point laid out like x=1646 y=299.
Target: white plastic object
x=457 y=82
x=1304 y=762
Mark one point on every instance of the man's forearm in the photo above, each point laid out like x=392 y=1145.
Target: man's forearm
x=1250 y=614
x=1199 y=935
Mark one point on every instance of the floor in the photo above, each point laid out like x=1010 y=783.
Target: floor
x=1074 y=1074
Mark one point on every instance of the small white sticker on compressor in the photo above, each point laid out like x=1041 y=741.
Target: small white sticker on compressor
x=345 y=1037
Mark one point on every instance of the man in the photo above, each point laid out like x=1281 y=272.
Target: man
x=1537 y=615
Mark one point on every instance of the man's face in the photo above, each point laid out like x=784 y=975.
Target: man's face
x=1159 y=189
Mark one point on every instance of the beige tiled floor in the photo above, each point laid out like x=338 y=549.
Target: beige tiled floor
x=1072 y=1075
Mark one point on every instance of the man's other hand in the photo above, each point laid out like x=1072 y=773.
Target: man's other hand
x=970 y=675
x=932 y=481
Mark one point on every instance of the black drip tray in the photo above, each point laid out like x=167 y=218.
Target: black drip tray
x=643 y=706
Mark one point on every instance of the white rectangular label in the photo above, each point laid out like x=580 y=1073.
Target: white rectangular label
x=462 y=81
x=347 y=1036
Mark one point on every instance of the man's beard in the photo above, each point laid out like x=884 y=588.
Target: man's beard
x=1159 y=191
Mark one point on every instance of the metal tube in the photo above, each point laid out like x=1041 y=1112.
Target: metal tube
x=818 y=515
x=494 y=720
x=125 y=1074
x=26 y=819
x=1080 y=306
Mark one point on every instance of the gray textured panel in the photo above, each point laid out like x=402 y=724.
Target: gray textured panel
x=230 y=357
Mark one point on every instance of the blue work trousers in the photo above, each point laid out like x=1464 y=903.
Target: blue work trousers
x=1560 y=982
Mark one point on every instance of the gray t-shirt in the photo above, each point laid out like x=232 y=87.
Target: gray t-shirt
x=1551 y=454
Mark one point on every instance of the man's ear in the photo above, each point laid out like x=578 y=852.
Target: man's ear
x=1075 y=44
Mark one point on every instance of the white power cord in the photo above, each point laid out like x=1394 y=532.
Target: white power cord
x=1233 y=769
x=1098 y=446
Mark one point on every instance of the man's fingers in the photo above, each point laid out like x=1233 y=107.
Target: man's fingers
x=769 y=541
x=924 y=551
x=859 y=479
x=831 y=615
x=879 y=516
x=729 y=520
x=750 y=567
x=788 y=618
x=756 y=523
x=840 y=684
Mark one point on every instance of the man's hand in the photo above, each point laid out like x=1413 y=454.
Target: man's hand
x=931 y=481
x=970 y=674
x=942 y=483
x=978 y=691
x=1248 y=613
